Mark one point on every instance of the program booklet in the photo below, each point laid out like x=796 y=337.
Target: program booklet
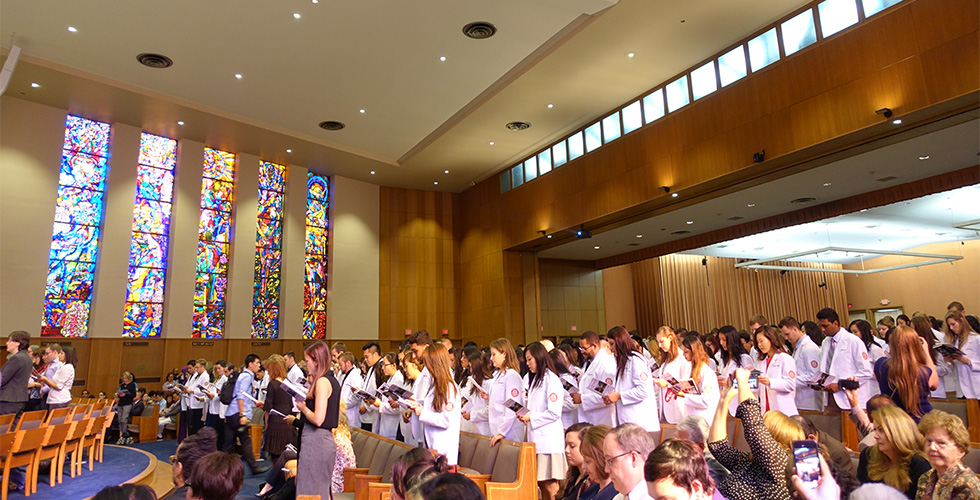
x=570 y=387
x=949 y=350
x=472 y=382
x=575 y=371
x=395 y=392
x=601 y=387
x=365 y=396
x=298 y=393
x=688 y=386
x=515 y=407
x=820 y=380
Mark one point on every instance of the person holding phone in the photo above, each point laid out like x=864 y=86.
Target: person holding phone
x=777 y=382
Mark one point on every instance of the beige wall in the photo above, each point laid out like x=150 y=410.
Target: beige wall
x=571 y=296
x=929 y=288
x=617 y=290
x=31 y=136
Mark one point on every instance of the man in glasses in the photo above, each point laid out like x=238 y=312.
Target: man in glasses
x=626 y=448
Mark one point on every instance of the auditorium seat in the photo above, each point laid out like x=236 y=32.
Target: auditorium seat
x=972 y=460
x=144 y=426
x=967 y=409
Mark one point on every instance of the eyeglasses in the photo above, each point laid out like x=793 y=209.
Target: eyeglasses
x=939 y=444
x=609 y=461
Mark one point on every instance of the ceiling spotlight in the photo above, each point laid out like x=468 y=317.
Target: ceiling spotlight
x=445 y=171
x=923 y=157
x=639 y=236
x=297 y=15
x=35 y=85
x=673 y=195
x=436 y=183
x=583 y=233
x=630 y=55
x=886 y=112
x=72 y=29
x=550 y=106
x=289 y=150
x=549 y=236
x=690 y=222
x=759 y=157
x=442 y=58
x=372 y=172
x=491 y=143
x=316 y=1
x=362 y=111
x=897 y=121
x=826 y=184
x=180 y=122
x=750 y=205
x=238 y=76
x=596 y=247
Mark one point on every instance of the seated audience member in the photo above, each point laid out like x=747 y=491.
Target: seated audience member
x=861 y=417
x=676 y=469
x=414 y=468
x=345 y=450
x=448 y=486
x=876 y=491
x=594 y=464
x=168 y=415
x=126 y=492
x=909 y=375
x=277 y=484
x=216 y=476
x=785 y=430
x=576 y=480
x=626 y=448
x=761 y=474
x=695 y=429
x=839 y=454
x=827 y=488
x=946 y=443
x=188 y=453
x=896 y=459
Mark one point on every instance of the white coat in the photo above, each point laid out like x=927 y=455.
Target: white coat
x=349 y=380
x=595 y=411
x=406 y=427
x=943 y=370
x=637 y=398
x=781 y=393
x=295 y=375
x=506 y=384
x=747 y=363
x=706 y=403
x=544 y=402
x=441 y=428
x=214 y=404
x=680 y=368
x=569 y=410
x=850 y=360
x=968 y=375
x=198 y=384
x=371 y=387
x=388 y=417
x=423 y=383
x=807 y=358
x=478 y=422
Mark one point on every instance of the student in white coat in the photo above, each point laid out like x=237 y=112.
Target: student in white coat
x=777 y=383
x=411 y=370
x=843 y=355
x=439 y=410
x=350 y=377
x=543 y=419
x=806 y=356
x=703 y=404
x=372 y=358
x=602 y=368
x=733 y=356
x=923 y=327
x=388 y=416
x=196 y=389
x=506 y=384
x=967 y=365
x=475 y=417
x=569 y=408
x=634 y=396
x=672 y=364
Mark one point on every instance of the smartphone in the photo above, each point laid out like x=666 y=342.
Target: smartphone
x=753 y=382
x=846 y=383
x=806 y=454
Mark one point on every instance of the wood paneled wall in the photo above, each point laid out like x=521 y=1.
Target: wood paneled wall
x=921 y=59
x=675 y=290
x=419 y=265
x=571 y=296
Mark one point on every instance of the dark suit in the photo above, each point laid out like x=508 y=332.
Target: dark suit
x=13 y=388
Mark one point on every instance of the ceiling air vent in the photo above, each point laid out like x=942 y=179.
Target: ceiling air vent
x=331 y=125
x=156 y=61
x=886 y=179
x=479 y=30
x=803 y=201
x=632 y=244
x=737 y=217
x=518 y=126
x=678 y=233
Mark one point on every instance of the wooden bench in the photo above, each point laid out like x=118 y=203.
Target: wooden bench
x=967 y=409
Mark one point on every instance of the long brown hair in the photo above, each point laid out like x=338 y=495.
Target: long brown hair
x=923 y=327
x=965 y=328
x=437 y=361
x=905 y=367
x=592 y=449
x=320 y=354
x=665 y=357
x=699 y=357
x=275 y=367
x=622 y=346
x=775 y=340
x=510 y=357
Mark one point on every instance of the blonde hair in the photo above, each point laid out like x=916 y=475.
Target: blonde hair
x=965 y=329
x=901 y=431
x=510 y=357
x=784 y=430
x=665 y=357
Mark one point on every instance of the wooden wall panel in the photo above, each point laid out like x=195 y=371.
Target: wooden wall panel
x=572 y=295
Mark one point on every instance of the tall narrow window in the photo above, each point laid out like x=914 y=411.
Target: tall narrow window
x=77 y=217
x=213 y=247
x=268 y=251
x=151 y=233
x=317 y=236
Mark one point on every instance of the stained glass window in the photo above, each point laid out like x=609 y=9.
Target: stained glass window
x=268 y=251
x=77 y=220
x=213 y=247
x=317 y=236
x=151 y=232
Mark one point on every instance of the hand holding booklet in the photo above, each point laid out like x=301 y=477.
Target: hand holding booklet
x=949 y=350
x=365 y=396
x=472 y=381
x=601 y=387
x=688 y=386
x=298 y=393
x=821 y=380
x=515 y=407
x=570 y=387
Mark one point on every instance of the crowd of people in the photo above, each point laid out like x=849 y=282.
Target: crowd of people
x=592 y=406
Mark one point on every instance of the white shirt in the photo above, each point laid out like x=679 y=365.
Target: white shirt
x=640 y=492
x=63 y=377
x=637 y=397
x=850 y=360
x=544 y=402
x=595 y=411
x=506 y=384
x=807 y=359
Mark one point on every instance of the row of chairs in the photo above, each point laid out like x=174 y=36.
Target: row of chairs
x=53 y=435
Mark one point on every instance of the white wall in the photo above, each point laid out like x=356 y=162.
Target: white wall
x=354 y=275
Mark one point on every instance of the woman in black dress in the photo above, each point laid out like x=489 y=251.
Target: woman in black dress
x=278 y=432
x=319 y=411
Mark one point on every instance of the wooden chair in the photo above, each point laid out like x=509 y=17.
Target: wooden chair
x=81 y=411
x=51 y=448
x=59 y=415
x=90 y=441
x=98 y=409
x=31 y=420
x=5 y=423
x=100 y=439
x=73 y=445
x=22 y=450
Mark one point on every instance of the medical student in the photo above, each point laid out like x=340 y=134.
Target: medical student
x=672 y=364
x=388 y=416
x=806 y=357
x=439 y=409
x=843 y=355
x=195 y=390
x=543 y=419
x=350 y=377
x=706 y=403
x=777 y=383
x=732 y=356
x=634 y=397
x=506 y=385
x=475 y=416
x=215 y=417
x=569 y=409
x=967 y=365
x=411 y=370
x=602 y=368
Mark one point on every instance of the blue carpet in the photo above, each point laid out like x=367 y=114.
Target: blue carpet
x=118 y=465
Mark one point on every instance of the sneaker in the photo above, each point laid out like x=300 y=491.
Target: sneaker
x=129 y=440
x=122 y=440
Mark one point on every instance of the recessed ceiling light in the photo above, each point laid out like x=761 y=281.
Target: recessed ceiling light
x=596 y=247
x=297 y=15
x=897 y=122
x=630 y=55
x=826 y=184
x=923 y=157
x=673 y=195
x=436 y=183
x=550 y=106
x=238 y=76
x=549 y=236
x=639 y=236
x=289 y=150
x=72 y=29
x=316 y=1
x=362 y=111
x=372 y=172
x=445 y=171
x=442 y=58
x=751 y=205
x=690 y=222
x=491 y=143
x=180 y=122
x=35 y=85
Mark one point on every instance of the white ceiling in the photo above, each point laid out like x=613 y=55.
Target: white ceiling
x=954 y=147
x=422 y=115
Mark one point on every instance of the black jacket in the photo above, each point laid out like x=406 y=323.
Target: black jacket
x=15 y=372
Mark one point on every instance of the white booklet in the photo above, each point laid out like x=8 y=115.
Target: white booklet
x=515 y=407
x=298 y=393
x=570 y=387
x=820 y=380
x=601 y=387
x=472 y=381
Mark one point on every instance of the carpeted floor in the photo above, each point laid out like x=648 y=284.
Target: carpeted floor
x=163 y=449
x=119 y=464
